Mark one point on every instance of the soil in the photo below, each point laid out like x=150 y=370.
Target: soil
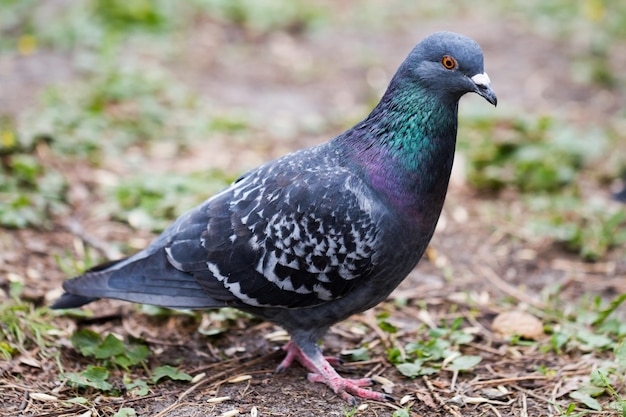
x=477 y=266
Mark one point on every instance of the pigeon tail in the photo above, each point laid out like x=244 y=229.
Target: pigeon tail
x=140 y=279
x=68 y=300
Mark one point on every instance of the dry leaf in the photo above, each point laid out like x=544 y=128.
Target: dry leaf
x=518 y=323
x=39 y=396
x=240 y=378
x=217 y=400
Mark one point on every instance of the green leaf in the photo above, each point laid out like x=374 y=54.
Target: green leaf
x=7 y=350
x=410 y=369
x=619 y=406
x=400 y=413
x=167 y=371
x=387 y=327
x=133 y=355
x=111 y=346
x=586 y=399
x=615 y=303
x=461 y=338
x=138 y=387
x=558 y=340
x=464 y=362
x=613 y=326
x=358 y=354
x=620 y=354
x=91 y=344
x=138 y=353
x=97 y=374
x=592 y=340
x=93 y=376
x=438 y=332
x=429 y=370
x=77 y=400
x=600 y=379
x=436 y=349
x=394 y=355
x=125 y=412
x=86 y=341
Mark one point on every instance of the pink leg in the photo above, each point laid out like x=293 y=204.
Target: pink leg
x=322 y=371
x=293 y=352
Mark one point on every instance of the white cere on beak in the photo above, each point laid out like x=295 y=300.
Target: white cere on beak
x=481 y=79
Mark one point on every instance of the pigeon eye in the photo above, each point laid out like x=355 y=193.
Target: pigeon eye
x=448 y=62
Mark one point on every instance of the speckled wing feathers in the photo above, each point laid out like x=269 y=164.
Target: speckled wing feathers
x=294 y=233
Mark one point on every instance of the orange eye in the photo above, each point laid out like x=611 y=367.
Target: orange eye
x=448 y=62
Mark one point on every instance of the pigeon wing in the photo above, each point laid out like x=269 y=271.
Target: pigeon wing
x=282 y=236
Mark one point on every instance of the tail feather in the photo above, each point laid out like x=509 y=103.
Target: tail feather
x=68 y=300
x=147 y=280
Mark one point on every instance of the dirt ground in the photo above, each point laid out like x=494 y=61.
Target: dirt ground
x=475 y=261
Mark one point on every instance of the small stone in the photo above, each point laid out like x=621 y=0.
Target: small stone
x=520 y=323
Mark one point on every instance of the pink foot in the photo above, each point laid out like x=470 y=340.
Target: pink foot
x=322 y=371
x=293 y=352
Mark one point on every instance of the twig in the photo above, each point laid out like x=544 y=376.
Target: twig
x=377 y=361
x=476 y=323
x=213 y=379
x=485 y=348
x=101 y=246
x=440 y=400
x=246 y=361
x=26 y=403
x=531 y=394
x=603 y=268
x=555 y=389
x=131 y=331
x=494 y=409
x=507 y=288
x=524 y=405
x=109 y=404
x=500 y=381
x=369 y=320
x=455 y=375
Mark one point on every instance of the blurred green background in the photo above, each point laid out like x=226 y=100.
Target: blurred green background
x=93 y=80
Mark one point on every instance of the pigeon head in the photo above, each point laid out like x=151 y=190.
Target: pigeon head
x=406 y=145
x=448 y=65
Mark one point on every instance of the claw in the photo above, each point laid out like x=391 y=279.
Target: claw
x=292 y=353
x=323 y=372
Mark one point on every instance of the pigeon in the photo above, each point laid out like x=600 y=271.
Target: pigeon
x=313 y=237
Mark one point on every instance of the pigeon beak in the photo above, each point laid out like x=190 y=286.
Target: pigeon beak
x=483 y=88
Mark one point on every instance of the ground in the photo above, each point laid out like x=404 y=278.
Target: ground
x=478 y=266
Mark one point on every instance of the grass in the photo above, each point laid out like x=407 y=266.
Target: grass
x=31 y=192
x=439 y=351
x=590 y=24
x=113 y=110
x=264 y=17
x=152 y=202
x=25 y=329
x=596 y=327
x=532 y=154
x=97 y=120
x=95 y=25
x=586 y=227
x=114 y=355
x=546 y=161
